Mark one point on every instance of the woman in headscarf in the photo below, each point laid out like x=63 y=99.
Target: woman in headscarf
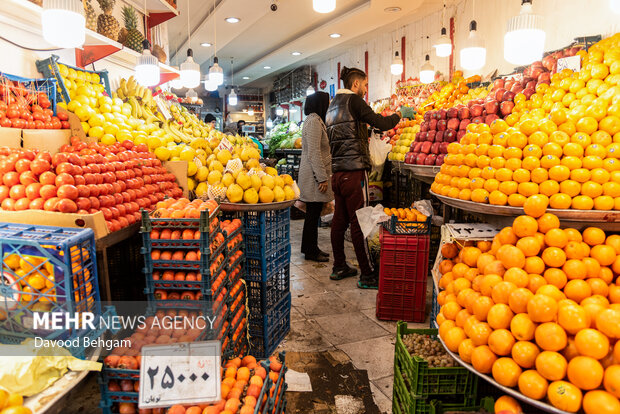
x=314 y=173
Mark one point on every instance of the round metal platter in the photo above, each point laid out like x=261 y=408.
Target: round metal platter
x=257 y=207
x=510 y=391
x=422 y=170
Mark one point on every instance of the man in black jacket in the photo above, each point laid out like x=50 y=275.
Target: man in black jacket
x=347 y=119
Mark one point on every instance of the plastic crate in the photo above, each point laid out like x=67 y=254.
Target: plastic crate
x=262 y=296
x=262 y=222
x=403 y=277
x=266 y=244
x=261 y=269
x=434 y=309
x=49 y=68
x=278 y=400
x=395 y=226
x=267 y=335
x=424 y=380
x=63 y=260
x=48 y=85
x=487 y=404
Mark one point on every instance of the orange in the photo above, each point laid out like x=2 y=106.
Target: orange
x=482 y=359
x=501 y=292
x=481 y=307
x=466 y=348
x=542 y=308
x=575 y=269
x=453 y=338
x=555 y=277
x=483 y=260
x=506 y=372
x=524 y=226
x=573 y=318
x=508 y=404
x=592 y=343
x=524 y=353
x=450 y=310
x=479 y=333
x=600 y=402
x=582 y=203
x=585 y=372
x=461 y=317
x=598 y=286
x=534 y=264
x=570 y=187
x=522 y=327
x=551 y=365
x=511 y=256
x=611 y=380
x=499 y=316
x=614 y=241
x=604 y=254
x=608 y=322
x=517 y=276
x=550 y=336
x=554 y=256
x=552 y=292
x=574 y=250
x=488 y=283
x=564 y=396
x=470 y=255
x=577 y=290
x=501 y=341
x=445 y=327
x=507 y=236
x=532 y=385
x=538 y=175
x=536 y=205
x=556 y=238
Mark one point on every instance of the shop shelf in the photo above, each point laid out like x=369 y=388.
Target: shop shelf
x=263 y=296
x=425 y=381
x=48 y=85
x=46 y=269
x=49 y=68
x=266 y=335
x=403 y=277
x=261 y=269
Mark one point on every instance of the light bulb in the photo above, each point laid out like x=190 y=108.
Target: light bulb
x=279 y=111
x=190 y=71
x=147 y=69
x=427 y=71
x=250 y=112
x=474 y=54
x=324 y=6
x=232 y=98
x=443 y=47
x=209 y=85
x=614 y=5
x=63 y=23
x=397 y=65
x=269 y=123
x=310 y=90
x=216 y=74
x=524 y=41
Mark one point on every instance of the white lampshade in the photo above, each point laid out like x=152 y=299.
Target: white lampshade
x=216 y=74
x=474 y=54
x=292 y=110
x=190 y=71
x=397 y=65
x=210 y=85
x=176 y=82
x=427 y=71
x=232 y=98
x=524 y=41
x=324 y=6
x=614 y=5
x=279 y=111
x=63 y=23
x=269 y=123
x=310 y=90
x=147 y=68
x=250 y=112
x=443 y=46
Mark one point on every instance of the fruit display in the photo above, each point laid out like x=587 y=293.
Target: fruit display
x=82 y=178
x=26 y=108
x=536 y=309
x=405 y=214
x=90 y=15
x=401 y=138
x=12 y=404
x=132 y=38
x=560 y=146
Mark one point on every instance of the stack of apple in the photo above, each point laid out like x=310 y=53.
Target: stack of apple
x=401 y=138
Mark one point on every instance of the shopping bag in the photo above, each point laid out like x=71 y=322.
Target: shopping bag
x=379 y=151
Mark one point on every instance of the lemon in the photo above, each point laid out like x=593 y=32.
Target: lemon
x=278 y=194
x=279 y=181
x=201 y=189
x=256 y=182
x=106 y=139
x=123 y=135
x=96 y=132
x=191 y=184
x=228 y=179
x=85 y=127
x=234 y=193
x=83 y=112
x=289 y=194
x=214 y=177
x=142 y=140
x=187 y=154
x=266 y=195
x=202 y=173
x=244 y=181
x=271 y=171
x=268 y=181
x=250 y=196
x=96 y=120
x=152 y=142
x=105 y=108
x=162 y=153
x=192 y=168
x=288 y=180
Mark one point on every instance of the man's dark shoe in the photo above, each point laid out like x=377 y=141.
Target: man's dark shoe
x=343 y=272
x=368 y=284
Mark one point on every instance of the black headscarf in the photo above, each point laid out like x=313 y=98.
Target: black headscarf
x=317 y=103
x=209 y=118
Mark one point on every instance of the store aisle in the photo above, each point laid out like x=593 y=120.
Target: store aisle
x=329 y=315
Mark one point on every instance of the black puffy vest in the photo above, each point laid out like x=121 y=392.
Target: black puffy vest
x=348 y=138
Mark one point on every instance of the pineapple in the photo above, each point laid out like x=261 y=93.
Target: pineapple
x=133 y=38
x=91 y=16
x=107 y=25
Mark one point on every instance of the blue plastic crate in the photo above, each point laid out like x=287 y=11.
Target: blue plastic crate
x=261 y=269
x=63 y=260
x=434 y=309
x=263 y=296
x=202 y=223
x=267 y=335
x=277 y=402
x=48 y=85
x=49 y=68
x=262 y=222
x=265 y=244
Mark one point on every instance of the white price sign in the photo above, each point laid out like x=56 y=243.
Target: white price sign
x=572 y=62
x=163 y=107
x=182 y=373
x=225 y=144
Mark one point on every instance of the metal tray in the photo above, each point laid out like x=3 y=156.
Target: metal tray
x=422 y=170
x=582 y=216
x=257 y=207
x=510 y=391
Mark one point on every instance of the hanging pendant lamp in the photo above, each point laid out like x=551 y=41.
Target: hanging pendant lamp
x=209 y=85
x=474 y=54
x=397 y=65
x=147 y=68
x=324 y=6
x=190 y=70
x=232 y=97
x=279 y=111
x=614 y=5
x=310 y=90
x=443 y=46
x=176 y=83
x=216 y=74
x=427 y=71
x=63 y=23
x=524 y=41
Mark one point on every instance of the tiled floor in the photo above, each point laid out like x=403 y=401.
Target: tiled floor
x=329 y=315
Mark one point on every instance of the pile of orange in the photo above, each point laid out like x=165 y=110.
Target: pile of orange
x=563 y=143
x=538 y=309
x=405 y=214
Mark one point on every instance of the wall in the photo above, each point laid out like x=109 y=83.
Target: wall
x=564 y=20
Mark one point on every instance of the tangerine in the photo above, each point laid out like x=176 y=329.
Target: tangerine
x=564 y=396
x=532 y=385
x=585 y=372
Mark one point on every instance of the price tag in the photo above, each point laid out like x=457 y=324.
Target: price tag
x=163 y=107
x=572 y=62
x=182 y=373
x=225 y=144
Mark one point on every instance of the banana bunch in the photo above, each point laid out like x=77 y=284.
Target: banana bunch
x=131 y=88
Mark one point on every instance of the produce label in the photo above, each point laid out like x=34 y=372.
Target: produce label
x=163 y=108
x=572 y=62
x=225 y=144
x=182 y=373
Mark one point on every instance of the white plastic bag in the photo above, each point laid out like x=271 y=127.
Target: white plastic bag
x=424 y=206
x=379 y=151
x=370 y=218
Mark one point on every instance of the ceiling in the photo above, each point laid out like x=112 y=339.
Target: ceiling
x=267 y=38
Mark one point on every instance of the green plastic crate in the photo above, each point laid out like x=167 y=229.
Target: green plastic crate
x=487 y=403
x=424 y=380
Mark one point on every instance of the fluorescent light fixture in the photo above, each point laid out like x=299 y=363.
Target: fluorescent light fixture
x=397 y=65
x=246 y=77
x=296 y=53
x=310 y=90
x=216 y=74
x=206 y=44
x=524 y=41
x=474 y=54
x=427 y=71
x=147 y=68
x=233 y=20
x=279 y=111
x=443 y=47
x=63 y=23
x=232 y=98
x=267 y=67
x=190 y=71
x=335 y=35
x=324 y=6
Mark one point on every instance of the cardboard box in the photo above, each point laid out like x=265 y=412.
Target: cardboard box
x=179 y=169
x=10 y=137
x=46 y=139
x=51 y=218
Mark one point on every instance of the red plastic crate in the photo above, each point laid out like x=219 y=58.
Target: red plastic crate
x=403 y=274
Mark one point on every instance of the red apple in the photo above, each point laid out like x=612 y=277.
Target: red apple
x=463 y=124
x=430 y=159
x=439 y=159
x=464 y=113
x=452 y=112
x=491 y=107
x=508 y=96
x=453 y=123
x=426 y=147
x=443 y=147
x=506 y=108
x=476 y=110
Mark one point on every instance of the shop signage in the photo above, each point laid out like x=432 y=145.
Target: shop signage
x=181 y=373
x=571 y=62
